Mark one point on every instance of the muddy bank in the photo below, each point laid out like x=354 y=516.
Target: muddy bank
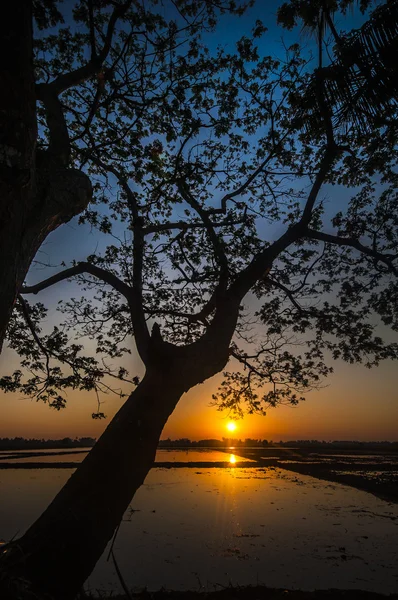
x=379 y=488
x=376 y=473
x=250 y=593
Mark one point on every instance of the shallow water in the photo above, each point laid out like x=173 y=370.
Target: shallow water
x=163 y=455
x=193 y=528
x=44 y=457
x=202 y=455
x=208 y=528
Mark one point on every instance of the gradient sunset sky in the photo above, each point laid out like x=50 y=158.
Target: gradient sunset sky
x=356 y=403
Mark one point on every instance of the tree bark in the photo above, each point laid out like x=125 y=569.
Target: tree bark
x=37 y=190
x=18 y=134
x=59 y=551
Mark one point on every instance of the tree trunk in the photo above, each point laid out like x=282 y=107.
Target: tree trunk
x=29 y=215
x=18 y=136
x=59 y=551
x=57 y=554
x=37 y=190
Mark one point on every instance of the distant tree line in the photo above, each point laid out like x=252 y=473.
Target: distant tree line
x=341 y=444
x=254 y=443
x=20 y=443
x=210 y=443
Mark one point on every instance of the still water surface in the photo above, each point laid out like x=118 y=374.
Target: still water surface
x=192 y=528
x=164 y=455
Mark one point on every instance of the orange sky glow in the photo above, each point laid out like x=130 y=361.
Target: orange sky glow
x=357 y=404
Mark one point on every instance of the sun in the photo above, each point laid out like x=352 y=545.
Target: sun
x=231 y=426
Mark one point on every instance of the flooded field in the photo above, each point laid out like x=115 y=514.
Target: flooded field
x=242 y=520
x=208 y=518
x=374 y=472
x=213 y=528
x=204 y=528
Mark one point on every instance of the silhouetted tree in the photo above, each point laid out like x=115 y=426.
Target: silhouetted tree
x=51 y=98
x=360 y=83
x=222 y=252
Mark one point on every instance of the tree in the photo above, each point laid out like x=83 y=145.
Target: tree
x=42 y=182
x=218 y=204
x=360 y=81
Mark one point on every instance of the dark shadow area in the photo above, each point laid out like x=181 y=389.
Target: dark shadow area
x=250 y=593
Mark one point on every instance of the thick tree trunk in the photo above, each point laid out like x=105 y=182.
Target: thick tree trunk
x=29 y=215
x=60 y=550
x=18 y=136
x=37 y=190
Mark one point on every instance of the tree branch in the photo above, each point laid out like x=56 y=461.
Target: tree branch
x=48 y=92
x=92 y=30
x=262 y=261
x=243 y=360
x=244 y=185
x=288 y=293
x=67 y=80
x=353 y=243
x=79 y=269
x=184 y=226
x=141 y=333
x=331 y=153
x=28 y=320
x=137 y=225
x=216 y=242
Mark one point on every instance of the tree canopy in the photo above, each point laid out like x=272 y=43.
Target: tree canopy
x=357 y=69
x=210 y=187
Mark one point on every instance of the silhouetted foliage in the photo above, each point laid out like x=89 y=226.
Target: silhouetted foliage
x=359 y=86
x=223 y=252
x=208 y=158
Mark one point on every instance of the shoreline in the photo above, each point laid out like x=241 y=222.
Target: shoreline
x=246 y=593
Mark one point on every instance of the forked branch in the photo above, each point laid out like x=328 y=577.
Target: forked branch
x=141 y=334
x=214 y=238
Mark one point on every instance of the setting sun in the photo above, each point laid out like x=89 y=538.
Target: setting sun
x=231 y=426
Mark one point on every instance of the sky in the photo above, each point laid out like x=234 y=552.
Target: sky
x=355 y=403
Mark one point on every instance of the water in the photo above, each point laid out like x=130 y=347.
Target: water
x=76 y=456
x=43 y=456
x=201 y=529
x=192 y=528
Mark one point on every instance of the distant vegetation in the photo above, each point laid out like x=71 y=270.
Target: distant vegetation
x=253 y=443
x=19 y=443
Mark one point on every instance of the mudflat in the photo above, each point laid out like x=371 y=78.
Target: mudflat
x=374 y=471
